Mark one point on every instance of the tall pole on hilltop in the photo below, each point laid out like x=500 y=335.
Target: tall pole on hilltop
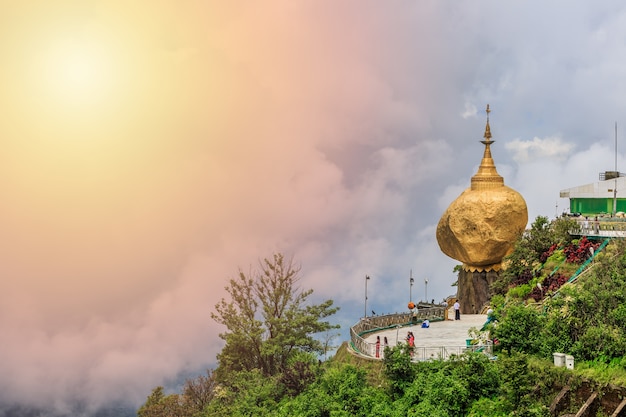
x=367 y=278
x=616 y=175
x=411 y=280
x=426 y=289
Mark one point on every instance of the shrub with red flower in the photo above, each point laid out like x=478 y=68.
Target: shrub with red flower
x=549 y=285
x=544 y=256
x=581 y=252
x=523 y=278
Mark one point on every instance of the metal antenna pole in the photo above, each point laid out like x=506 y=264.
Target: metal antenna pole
x=367 y=277
x=616 y=175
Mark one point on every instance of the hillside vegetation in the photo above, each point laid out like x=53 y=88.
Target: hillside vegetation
x=537 y=312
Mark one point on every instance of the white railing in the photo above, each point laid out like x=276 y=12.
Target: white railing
x=445 y=352
x=377 y=323
x=600 y=228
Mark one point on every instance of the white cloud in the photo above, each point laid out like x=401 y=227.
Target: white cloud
x=469 y=111
x=553 y=148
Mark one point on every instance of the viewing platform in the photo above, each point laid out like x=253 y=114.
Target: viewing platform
x=442 y=339
x=614 y=227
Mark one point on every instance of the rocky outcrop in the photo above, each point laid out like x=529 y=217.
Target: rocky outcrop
x=473 y=290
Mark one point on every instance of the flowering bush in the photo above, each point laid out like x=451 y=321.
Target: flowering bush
x=550 y=284
x=579 y=253
x=544 y=256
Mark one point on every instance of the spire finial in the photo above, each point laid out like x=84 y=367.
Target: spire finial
x=487 y=135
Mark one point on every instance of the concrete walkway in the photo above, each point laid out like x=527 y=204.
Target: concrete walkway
x=449 y=335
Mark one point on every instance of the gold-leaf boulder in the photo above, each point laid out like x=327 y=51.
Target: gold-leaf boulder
x=481 y=226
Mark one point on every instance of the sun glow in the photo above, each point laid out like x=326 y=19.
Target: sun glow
x=77 y=70
x=75 y=83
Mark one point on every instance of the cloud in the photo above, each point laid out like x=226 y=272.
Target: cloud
x=469 y=111
x=553 y=148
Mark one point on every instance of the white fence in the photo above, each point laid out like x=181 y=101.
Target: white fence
x=377 y=323
x=419 y=353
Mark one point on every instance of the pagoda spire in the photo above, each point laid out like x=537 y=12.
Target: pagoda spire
x=487 y=175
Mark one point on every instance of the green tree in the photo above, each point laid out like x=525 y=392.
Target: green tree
x=520 y=329
x=268 y=320
x=518 y=385
x=342 y=391
x=199 y=392
x=160 y=405
x=561 y=228
x=399 y=369
x=478 y=373
x=247 y=394
x=441 y=387
x=541 y=236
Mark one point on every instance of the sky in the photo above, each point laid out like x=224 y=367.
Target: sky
x=151 y=149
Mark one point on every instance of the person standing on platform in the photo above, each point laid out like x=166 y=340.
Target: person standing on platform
x=378 y=346
x=457 y=310
x=411 y=342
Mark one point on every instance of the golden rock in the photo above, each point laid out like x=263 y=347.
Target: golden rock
x=481 y=226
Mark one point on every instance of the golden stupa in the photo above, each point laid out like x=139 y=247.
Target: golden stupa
x=481 y=226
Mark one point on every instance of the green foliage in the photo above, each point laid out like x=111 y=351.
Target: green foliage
x=587 y=319
x=519 y=329
x=197 y=395
x=540 y=236
x=478 y=373
x=160 y=405
x=445 y=388
x=554 y=261
x=248 y=393
x=432 y=392
x=488 y=406
x=199 y=392
x=268 y=320
x=602 y=372
x=521 y=291
x=399 y=369
x=299 y=373
x=518 y=385
x=529 y=250
x=560 y=230
x=523 y=260
x=341 y=391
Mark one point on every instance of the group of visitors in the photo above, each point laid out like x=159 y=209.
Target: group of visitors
x=410 y=337
x=595 y=223
x=378 y=345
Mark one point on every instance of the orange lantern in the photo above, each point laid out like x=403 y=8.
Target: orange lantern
x=411 y=305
